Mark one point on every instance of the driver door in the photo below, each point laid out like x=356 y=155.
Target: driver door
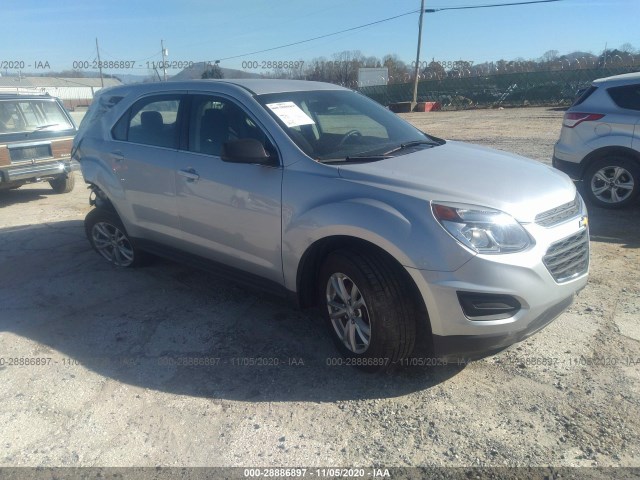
x=229 y=212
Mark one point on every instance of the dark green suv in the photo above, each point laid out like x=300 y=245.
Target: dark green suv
x=36 y=134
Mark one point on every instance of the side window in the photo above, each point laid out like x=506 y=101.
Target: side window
x=151 y=121
x=215 y=121
x=10 y=118
x=626 y=97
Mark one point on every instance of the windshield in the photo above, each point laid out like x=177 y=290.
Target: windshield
x=25 y=115
x=341 y=125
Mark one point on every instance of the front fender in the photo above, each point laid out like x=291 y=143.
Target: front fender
x=413 y=242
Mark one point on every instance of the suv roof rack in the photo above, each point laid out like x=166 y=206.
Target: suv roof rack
x=23 y=91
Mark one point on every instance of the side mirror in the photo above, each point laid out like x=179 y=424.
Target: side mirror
x=245 y=150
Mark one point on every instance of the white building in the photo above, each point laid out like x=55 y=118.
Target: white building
x=74 y=92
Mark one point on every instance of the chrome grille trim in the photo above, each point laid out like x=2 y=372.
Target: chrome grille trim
x=559 y=214
x=568 y=258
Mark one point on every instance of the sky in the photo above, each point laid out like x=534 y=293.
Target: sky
x=61 y=33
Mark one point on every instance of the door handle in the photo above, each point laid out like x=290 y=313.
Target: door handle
x=190 y=174
x=117 y=156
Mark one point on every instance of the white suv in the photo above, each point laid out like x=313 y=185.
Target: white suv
x=600 y=141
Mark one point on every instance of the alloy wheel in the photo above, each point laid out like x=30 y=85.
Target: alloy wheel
x=612 y=184
x=348 y=313
x=112 y=244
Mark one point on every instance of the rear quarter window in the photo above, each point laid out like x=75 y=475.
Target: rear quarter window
x=584 y=95
x=626 y=97
x=98 y=108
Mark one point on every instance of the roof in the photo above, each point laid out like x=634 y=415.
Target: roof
x=260 y=86
x=252 y=86
x=47 y=82
x=624 y=79
x=23 y=96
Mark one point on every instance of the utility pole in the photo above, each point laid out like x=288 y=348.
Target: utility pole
x=99 y=64
x=164 y=65
x=417 y=69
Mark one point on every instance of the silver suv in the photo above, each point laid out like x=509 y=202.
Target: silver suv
x=600 y=141
x=317 y=192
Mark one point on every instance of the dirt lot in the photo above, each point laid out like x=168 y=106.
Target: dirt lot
x=110 y=392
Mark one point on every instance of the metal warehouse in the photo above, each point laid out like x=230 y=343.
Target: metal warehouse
x=74 y=92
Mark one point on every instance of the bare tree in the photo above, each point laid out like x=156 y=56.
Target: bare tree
x=627 y=48
x=550 y=55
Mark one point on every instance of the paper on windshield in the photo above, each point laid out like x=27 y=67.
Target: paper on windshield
x=291 y=114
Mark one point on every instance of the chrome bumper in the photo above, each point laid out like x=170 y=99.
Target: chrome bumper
x=38 y=170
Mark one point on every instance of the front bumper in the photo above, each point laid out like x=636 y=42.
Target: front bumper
x=468 y=347
x=24 y=172
x=522 y=276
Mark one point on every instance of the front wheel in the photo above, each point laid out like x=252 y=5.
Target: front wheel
x=612 y=182
x=369 y=314
x=108 y=237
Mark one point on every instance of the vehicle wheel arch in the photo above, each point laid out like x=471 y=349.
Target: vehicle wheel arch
x=604 y=152
x=99 y=199
x=311 y=263
x=313 y=258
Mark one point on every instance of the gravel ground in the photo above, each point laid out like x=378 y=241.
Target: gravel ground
x=110 y=394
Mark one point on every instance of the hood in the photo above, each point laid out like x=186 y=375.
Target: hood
x=465 y=173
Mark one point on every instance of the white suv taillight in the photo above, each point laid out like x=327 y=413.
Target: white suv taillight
x=571 y=119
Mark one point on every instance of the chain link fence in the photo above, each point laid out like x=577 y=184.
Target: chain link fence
x=518 y=89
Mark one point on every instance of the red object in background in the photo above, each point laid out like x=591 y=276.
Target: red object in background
x=427 y=107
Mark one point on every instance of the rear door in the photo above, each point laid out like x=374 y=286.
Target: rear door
x=143 y=156
x=229 y=212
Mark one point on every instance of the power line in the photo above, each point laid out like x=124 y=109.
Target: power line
x=322 y=36
x=429 y=10
x=434 y=10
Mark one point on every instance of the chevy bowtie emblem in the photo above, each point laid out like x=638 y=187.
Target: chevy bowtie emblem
x=584 y=222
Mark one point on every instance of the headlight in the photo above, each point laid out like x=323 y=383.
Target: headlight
x=483 y=230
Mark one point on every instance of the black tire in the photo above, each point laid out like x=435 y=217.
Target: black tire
x=109 y=238
x=63 y=184
x=388 y=309
x=600 y=182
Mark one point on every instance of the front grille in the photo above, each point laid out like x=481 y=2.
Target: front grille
x=559 y=214
x=568 y=258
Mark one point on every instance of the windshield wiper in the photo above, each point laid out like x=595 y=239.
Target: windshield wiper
x=42 y=127
x=357 y=159
x=414 y=143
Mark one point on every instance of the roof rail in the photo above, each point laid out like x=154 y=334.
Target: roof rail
x=23 y=91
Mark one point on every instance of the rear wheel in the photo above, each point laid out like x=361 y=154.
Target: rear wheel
x=108 y=237
x=369 y=314
x=612 y=182
x=63 y=184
